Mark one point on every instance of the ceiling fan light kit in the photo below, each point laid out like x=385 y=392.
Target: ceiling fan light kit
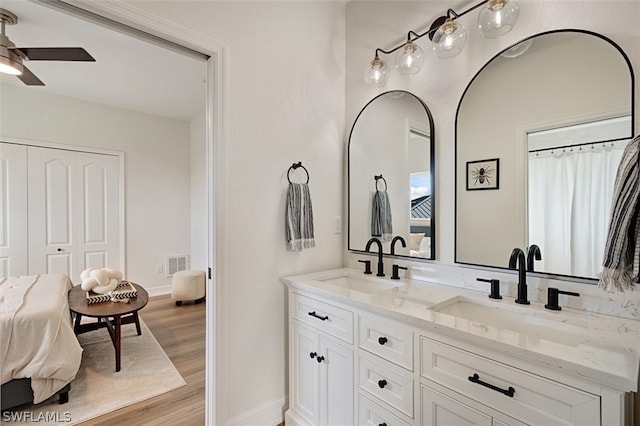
x=12 y=57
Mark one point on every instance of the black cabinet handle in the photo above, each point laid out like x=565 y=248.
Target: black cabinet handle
x=382 y=424
x=313 y=355
x=382 y=383
x=382 y=340
x=476 y=379
x=313 y=314
x=320 y=359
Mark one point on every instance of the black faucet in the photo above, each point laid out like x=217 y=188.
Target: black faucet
x=518 y=261
x=393 y=243
x=533 y=253
x=380 y=264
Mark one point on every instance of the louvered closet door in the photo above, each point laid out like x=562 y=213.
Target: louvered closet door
x=13 y=208
x=73 y=211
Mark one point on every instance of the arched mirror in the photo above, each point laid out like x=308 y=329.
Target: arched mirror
x=391 y=175
x=539 y=135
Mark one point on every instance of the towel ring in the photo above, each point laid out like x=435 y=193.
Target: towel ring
x=295 y=166
x=377 y=178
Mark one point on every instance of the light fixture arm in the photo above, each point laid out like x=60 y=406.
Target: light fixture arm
x=452 y=14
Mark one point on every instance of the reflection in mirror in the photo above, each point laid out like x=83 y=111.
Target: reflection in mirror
x=557 y=116
x=391 y=158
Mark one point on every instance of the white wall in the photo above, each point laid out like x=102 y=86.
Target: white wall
x=157 y=177
x=440 y=85
x=199 y=240
x=284 y=87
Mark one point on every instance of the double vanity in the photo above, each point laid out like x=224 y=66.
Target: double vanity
x=374 y=351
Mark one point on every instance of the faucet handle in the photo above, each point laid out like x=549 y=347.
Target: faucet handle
x=552 y=298
x=495 y=287
x=395 y=269
x=367 y=266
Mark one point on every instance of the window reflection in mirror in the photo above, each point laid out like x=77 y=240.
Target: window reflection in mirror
x=393 y=137
x=568 y=90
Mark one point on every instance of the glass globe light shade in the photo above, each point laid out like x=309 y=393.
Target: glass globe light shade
x=498 y=17
x=409 y=59
x=377 y=73
x=449 y=39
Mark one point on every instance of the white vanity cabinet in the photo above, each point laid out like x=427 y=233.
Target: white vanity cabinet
x=359 y=362
x=321 y=363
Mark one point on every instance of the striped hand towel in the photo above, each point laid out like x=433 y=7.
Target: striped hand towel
x=622 y=248
x=381 y=216
x=299 y=217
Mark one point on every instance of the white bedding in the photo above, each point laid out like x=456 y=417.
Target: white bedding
x=36 y=336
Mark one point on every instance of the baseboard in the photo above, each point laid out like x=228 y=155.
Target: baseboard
x=159 y=291
x=269 y=414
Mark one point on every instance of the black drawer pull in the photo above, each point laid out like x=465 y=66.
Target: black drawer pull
x=313 y=355
x=320 y=359
x=476 y=379
x=313 y=314
x=382 y=383
x=382 y=424
x=382 y=340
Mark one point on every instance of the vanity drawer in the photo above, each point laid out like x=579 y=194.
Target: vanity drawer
x=535 y=400
x=391 y=343
x=371 y=414
x=387 y=382
x=329 y=319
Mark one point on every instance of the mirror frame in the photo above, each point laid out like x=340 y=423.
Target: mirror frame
x=432 y=165
x=541 y=274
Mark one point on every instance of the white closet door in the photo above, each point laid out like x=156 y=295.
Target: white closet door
x=98 y=225
x=73 y=211
x=13 y=207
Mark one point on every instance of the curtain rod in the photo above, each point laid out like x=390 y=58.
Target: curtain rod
x=581 y=144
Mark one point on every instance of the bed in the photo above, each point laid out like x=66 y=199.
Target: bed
x=38 y=347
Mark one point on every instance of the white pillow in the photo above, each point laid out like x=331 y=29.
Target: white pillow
x=425 y=244
x=414 y=240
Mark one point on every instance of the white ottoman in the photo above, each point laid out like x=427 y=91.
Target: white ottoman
x=188 y=285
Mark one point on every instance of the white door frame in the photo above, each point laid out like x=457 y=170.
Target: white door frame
x=215 y=383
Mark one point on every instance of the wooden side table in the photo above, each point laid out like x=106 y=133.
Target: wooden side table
x=110 y=315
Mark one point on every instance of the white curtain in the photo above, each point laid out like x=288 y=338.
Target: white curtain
x=569 y=205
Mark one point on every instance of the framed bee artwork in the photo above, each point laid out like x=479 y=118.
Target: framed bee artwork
x=483 y=174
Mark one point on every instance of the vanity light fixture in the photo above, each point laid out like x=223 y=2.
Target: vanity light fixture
x=410 y=58
x=448 y=36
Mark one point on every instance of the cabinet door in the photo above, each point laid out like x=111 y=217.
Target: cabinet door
x=336 y=384
x=440 y=410
x=305 y=373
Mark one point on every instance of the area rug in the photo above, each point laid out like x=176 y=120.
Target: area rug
x=146 y=371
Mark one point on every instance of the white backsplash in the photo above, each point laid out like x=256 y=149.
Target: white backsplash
x=592 y=298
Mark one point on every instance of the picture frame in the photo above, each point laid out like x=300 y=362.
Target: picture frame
x=483 y=174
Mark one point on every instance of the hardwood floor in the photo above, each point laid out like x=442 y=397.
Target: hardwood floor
x=180 y=330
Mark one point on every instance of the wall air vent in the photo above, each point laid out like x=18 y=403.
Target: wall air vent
x=176 y=263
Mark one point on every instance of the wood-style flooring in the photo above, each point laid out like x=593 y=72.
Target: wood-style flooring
x=180 y=330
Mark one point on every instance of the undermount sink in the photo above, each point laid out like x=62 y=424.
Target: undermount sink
x=362 y=285
x=520 y=322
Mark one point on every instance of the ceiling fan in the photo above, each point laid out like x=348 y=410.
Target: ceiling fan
x=12 y=57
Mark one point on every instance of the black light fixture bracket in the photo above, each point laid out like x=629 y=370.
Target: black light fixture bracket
x=437 y=23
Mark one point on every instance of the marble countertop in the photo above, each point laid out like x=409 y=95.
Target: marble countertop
x=601 y=348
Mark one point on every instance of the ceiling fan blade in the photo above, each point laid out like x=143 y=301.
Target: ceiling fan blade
x=29 y=78
x=55 y=54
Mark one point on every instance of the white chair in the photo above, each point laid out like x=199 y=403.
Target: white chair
x=188 y=285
